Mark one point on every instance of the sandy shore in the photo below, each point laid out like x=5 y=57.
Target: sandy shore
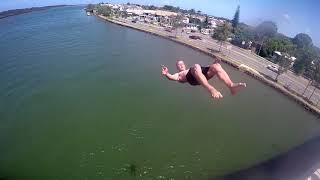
x=225 y=59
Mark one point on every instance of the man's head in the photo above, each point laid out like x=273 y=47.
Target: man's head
x=180 y=65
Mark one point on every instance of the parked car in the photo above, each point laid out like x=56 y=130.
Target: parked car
x=195 y=37
x=134 y=21
x=273 y=68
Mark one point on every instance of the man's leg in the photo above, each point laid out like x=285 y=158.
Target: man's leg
x=223 y=76
x=197 y=73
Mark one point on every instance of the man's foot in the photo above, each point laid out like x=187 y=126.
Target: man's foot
x=236 y=87
x=215 y=94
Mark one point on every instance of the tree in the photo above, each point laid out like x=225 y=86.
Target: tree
x=299 y=67
x=195 y=21
x=104 y=10
x=235 y=20
x=168 y=7
x=279 y=44
x=199 y=12
x=314 y=71
x=191 y=11
x=171 y=8
x=177 y=22
x=302 y=40
x=206 y=22
x=266 y=29
x=222 y=33
x=90 y=7
x=303 y=63
x=315 y=76
x=284 y=64
x=151 y=7
x=242 y=33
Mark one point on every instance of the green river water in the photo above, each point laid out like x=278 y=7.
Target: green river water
x=81 y=98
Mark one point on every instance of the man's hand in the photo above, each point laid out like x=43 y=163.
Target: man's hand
x=165 y=70
x=172 y=77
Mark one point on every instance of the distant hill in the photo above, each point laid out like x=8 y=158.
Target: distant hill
x=14 y=12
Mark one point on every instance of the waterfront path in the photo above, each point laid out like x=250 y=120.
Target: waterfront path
x=232 y=53
x=293 y=82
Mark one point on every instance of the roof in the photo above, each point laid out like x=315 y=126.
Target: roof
x=154 y=12
x=277 y=52
x=165 y=13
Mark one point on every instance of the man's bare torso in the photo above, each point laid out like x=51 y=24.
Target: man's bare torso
x=182 y=76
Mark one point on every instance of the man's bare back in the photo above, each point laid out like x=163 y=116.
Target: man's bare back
x=198 y=75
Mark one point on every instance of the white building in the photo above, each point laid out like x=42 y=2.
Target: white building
x=114 y=6
x=213 y=24
x=207 y=31
x=140 y=11
x=134 y=11
x=201 y=18
x=191 y=26
x=185 y=20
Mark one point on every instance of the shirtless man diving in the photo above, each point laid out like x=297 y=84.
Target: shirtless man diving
x=198 y=75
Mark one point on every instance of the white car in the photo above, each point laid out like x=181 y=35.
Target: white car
x=273 y=68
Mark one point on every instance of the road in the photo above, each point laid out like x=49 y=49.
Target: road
x=293 y=82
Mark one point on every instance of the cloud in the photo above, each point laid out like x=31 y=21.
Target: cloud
x=286 y=17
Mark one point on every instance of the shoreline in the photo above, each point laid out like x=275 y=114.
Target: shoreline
x=260 y=77
x=15 y=12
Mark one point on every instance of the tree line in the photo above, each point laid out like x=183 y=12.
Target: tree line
x=266 y=40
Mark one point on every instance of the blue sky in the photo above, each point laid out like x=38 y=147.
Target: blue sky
x=291 y=16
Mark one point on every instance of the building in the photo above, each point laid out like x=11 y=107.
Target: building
x=216 y=22
x=213 y=24
x=207 y=31
x=191 y=26
x=293 y=59
x=185 y=20
x=159 y=13
x=201 y=18
x=277 y=54
x=134 y=11
x=156 y=13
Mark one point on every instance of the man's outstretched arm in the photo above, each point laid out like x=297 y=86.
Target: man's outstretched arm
x=172 y=77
